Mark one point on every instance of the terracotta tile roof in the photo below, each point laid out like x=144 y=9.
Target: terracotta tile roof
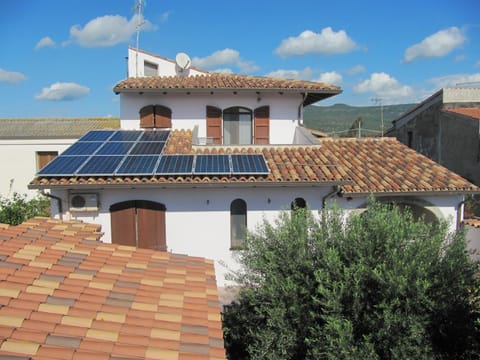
x=361 y=166
x=215 y=81
x=63 y=294
x=53 y=128
x=472 y=222
x=471 y=112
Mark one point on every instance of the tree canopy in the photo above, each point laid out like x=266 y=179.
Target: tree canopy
x=377 y=285
x=16 y=209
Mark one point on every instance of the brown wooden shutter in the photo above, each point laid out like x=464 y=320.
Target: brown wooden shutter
x=147 y=118
x=44 y=157
x=262 y=125
x=214 y=124
x=123 y=223
x=151 y=226
x=163 y=117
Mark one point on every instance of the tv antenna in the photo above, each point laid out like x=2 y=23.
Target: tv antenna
x=139 y=9
x=377 y=101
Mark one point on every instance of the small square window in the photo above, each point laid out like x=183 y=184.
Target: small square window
x=44 y=157
x=150 y=69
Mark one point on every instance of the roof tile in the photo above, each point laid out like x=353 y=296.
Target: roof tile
x=109 y=314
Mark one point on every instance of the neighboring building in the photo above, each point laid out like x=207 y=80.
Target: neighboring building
x=446 y=128
x=201 y=158
x=65 y=295
x=27 y=145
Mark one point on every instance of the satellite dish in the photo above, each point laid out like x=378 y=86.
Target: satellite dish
x=183 y=61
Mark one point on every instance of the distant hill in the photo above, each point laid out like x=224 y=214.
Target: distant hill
x=337 y=119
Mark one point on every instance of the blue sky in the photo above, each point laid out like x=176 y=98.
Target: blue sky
x=62 y=58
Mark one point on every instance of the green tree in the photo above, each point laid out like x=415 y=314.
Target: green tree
x=18 y=208
x=380 y=285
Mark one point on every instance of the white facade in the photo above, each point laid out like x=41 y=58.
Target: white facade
x=138 y=60
x=198 y=219
x=189 y=111
x=19 y=162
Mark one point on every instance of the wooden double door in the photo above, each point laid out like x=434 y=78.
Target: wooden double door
x=139 y=223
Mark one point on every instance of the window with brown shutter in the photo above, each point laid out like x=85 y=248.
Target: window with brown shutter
x=163 y=117
x=147 y=117
x=157 y=116
x=44 y=157
x=214 y=124
x=262 y=125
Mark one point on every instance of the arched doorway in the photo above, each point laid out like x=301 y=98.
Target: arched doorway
x=139 y=223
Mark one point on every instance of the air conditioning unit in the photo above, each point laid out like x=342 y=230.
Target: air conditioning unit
x=83 y=202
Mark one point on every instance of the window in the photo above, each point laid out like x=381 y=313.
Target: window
x=410 y=139
x=157 y=116
x=238 y=223
x=298 y=203
x=150 y=69
x=237 y=126
x=44 y=157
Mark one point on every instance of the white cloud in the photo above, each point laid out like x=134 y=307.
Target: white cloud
x=477 y=64
x=325 y=42
x=223 y=71
x=305 y=74
x=437 y=45
x=11 y=77
x=460 y=58
x=108 y=30
x=164 y=16
x=356 y=70
x=225 y=57
x=384 y=86
x=45 y=42
x=63 y=92
x=330 y=77
x=456 y=80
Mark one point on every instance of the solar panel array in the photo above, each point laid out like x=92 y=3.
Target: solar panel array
x=140 y=152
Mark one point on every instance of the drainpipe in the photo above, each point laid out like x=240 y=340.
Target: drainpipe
x=59 y=203
x=460 y=208
x=329 y=195
x=300 y=106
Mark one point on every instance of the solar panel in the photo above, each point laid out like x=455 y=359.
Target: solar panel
x=62 y=166
x=175 y=165
x=212 y=165
x=126 y=135
x=138 y=165
x=247 y=164
x=100 y=165
x=156 y=135
x=115 y=148
x=97 y=135
x=148 y=148
x=83 y=148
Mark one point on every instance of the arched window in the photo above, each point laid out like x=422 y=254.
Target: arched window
x=238 y=223
x=298 y=203
x=237 y=126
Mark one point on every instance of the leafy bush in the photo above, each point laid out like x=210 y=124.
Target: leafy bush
x=380 y=285
x=18 y=208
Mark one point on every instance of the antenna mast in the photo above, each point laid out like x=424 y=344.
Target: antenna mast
x=377 y=101
x=139 y=9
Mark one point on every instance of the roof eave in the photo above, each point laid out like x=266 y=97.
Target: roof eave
x=407 y=193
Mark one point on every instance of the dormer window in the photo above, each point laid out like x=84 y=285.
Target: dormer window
x=150 y=69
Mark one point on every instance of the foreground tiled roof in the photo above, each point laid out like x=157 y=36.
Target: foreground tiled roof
x=65 y=295
x=471 y=112
x=472 y=222
x=316 y=90
x=53 y=128
x=361 y=166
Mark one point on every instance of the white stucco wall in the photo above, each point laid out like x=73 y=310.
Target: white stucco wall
x=198 y=219
x=19 y=162
x=190 y=110
x=166 y=67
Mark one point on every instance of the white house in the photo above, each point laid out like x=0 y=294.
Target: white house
x=200 y=157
